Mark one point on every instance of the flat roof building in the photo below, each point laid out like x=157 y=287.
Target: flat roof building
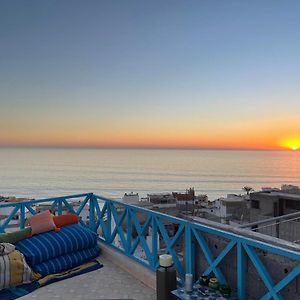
x=271 y=203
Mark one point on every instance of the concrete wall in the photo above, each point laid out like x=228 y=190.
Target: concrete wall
x=266 y=206
x=288 y=231
x=132 y=267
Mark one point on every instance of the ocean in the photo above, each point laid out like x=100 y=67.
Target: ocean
x=39 y=173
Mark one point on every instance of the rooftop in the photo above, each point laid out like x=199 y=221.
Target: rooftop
x=109 y=282
x=255 y=266
x=283 y=194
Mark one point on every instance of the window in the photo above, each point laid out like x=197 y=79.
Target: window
x=292 y=204
x=255 y=204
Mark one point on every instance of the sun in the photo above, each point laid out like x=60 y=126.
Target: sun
x=291 y=143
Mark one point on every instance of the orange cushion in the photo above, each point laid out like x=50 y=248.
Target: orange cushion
x=64 y=220
x=42 y=222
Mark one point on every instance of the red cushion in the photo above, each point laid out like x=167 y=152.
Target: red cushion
x=42 y=222
x=64 y=220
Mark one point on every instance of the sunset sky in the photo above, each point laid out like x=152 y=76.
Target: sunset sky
x=187 y=74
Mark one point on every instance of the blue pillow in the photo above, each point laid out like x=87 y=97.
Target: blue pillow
x=51 y=244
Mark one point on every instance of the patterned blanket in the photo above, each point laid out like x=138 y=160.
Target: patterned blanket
x=13 y=267
x=24 y=289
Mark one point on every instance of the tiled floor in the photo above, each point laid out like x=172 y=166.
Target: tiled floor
x=109 y=282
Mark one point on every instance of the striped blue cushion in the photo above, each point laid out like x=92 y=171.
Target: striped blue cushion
x=67 y=261
x=52 y=244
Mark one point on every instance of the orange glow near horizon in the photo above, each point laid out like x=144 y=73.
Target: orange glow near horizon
x=180 y=138
x=190 y=134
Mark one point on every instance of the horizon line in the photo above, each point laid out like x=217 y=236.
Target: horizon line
x=154 y=147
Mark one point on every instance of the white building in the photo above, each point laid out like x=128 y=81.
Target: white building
x=131 y=198
x=230 y=207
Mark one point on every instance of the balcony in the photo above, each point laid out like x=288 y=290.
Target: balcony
x=254 y=265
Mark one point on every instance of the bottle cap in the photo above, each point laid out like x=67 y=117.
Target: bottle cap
x=165 y=260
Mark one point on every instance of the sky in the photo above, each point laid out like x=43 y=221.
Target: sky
x=166 y=74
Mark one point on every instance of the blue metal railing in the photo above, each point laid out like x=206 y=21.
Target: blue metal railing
x=125 y=227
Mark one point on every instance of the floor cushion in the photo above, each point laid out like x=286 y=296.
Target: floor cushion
x=67 y=261
x=48 y=245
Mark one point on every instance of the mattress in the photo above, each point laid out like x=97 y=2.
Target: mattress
x=49 y=245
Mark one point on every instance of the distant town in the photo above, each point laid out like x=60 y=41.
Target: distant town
x=270 y=211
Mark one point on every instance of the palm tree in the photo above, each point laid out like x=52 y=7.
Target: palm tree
x=248 y=189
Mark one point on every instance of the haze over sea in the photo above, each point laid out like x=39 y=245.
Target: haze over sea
x=37 y=173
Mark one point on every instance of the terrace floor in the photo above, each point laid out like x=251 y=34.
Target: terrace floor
x=109 y=282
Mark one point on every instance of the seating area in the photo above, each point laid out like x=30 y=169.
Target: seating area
x=51 y=249
x=131 y=239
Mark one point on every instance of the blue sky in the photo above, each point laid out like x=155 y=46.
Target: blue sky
x=178 y=73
